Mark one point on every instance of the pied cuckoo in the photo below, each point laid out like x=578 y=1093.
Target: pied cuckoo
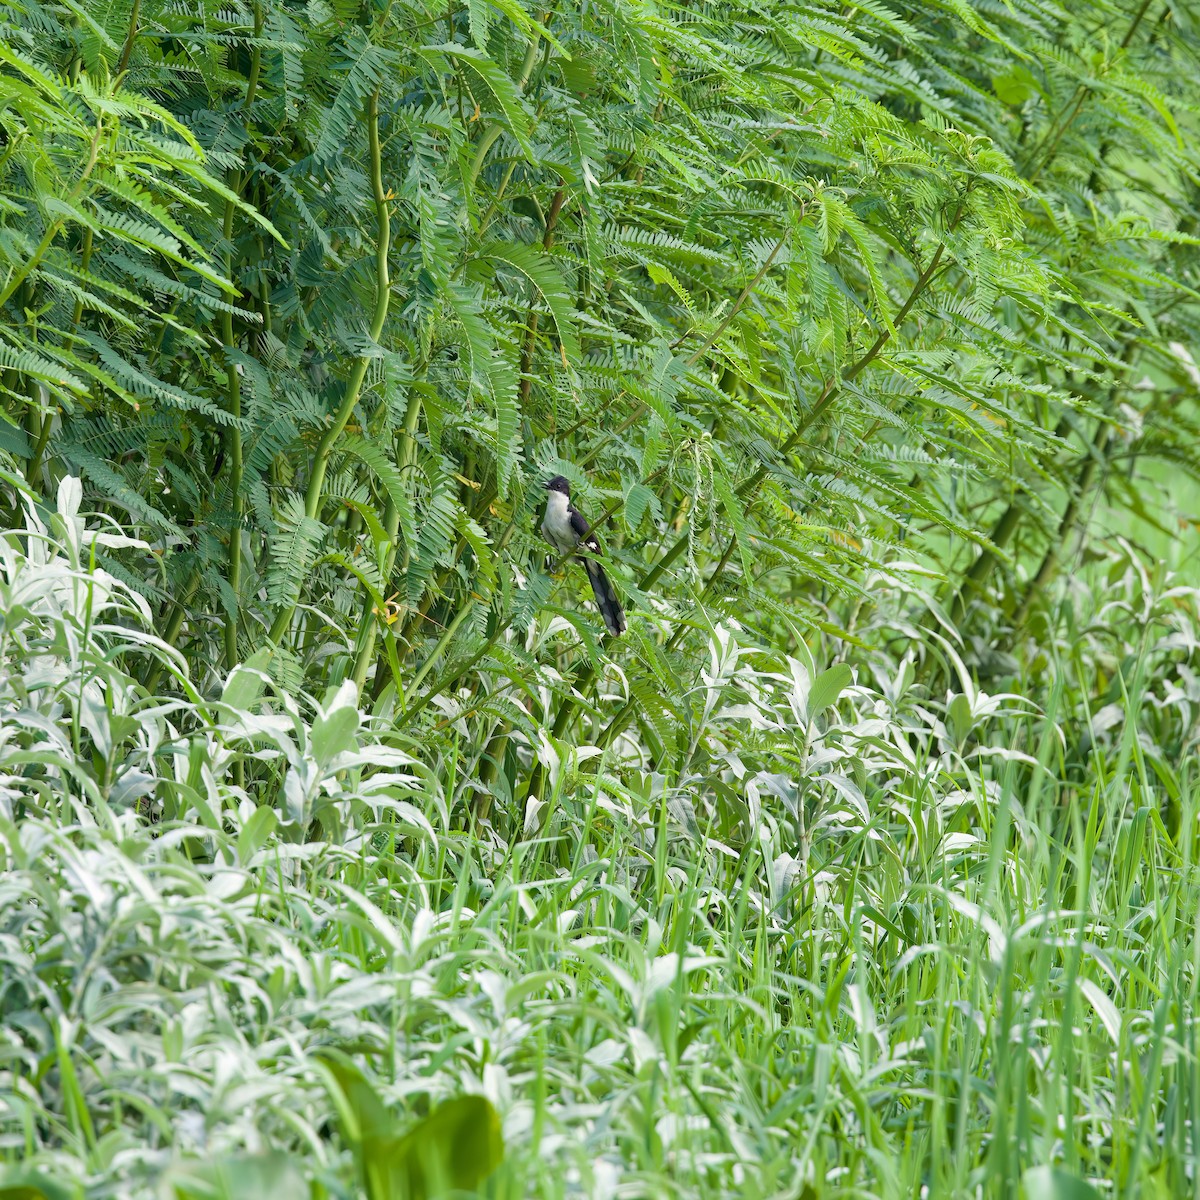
x=566 y=529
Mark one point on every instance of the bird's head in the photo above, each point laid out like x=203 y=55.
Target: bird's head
x=558 y=484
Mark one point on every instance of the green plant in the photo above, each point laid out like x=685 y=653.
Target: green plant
x=862 y=863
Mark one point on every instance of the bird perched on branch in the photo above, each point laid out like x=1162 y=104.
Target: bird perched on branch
x=567 y=529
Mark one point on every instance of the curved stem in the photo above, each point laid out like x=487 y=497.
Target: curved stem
x=52 y=230
x=1066 y=527
x=233 y=400
x=172 y=630
x=320 y=462
x=233 y=388
x=485 y=144
x=828 y=394
x=494 y=130
x=255 y=60
x=85 y=263
x=1039 y=160
x=443 y=642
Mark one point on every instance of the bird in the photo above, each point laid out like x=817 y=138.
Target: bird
x=566 y=529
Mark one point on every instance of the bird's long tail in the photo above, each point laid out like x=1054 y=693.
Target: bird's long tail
x=606 y=598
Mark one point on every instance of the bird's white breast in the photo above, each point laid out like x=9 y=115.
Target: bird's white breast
x=556 y=524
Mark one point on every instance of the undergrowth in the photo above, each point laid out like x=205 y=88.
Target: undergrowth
x=858 y=940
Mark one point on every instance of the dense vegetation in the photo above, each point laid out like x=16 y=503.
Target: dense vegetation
x=341 y=852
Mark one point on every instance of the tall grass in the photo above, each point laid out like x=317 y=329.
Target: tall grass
x=857 y=941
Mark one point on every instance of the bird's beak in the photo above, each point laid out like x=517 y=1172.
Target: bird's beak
x=546 y=485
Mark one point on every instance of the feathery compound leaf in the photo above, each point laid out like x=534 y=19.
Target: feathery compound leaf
x=385 y=470
x=492 y=371
x=539 y=269
x=294 y=550
x=504 y=91
x=732 y=507
x=361 y=71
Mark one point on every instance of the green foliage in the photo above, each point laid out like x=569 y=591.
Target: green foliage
x=237 y=1175
x=452 y=1149
x=847 y=935
x=1047 y=1183
x=842 y=321
x=809 y=280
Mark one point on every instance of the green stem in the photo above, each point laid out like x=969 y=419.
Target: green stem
x=171 y=630
x=982 y=567
x=489 y=491
x=1074 y=106
x=19 y=276
x=621 y=719
x=255 y=60
x=35 y=426
x=443 y=642
x=35 y=463
x=233 y=432
x=130 y=38
x=531 y=321
x=494 y=203
x=233 y=386
x=485 y=144
x=711 y=340
x=85 y=261
x=450 y=680
x=828 y=394
x=368 y=627
x=320 y=462
x=639 y=408
x=490 y=760
x=751 y=483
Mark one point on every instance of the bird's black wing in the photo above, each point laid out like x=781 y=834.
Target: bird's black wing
x=583 y=531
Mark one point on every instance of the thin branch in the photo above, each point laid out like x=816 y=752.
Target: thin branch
x=130 y=38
